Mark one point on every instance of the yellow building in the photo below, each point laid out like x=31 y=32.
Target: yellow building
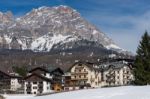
x=84 y=75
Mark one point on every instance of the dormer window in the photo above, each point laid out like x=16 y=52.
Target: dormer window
x=44 y=74
x=80 y=64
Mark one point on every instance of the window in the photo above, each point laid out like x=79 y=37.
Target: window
x=34 y=82
x=34 y=87
x=75 y=70
x=79 y=76
x=79 y=70
x=95 y=83
x=84 y=76
x=127 y=77
x=29 y=83
x=28 y=92
x=67 y=89
x=118 y=72
x=118 y=77
x=124 y=71
x=34 y=92
x=74 y=76
x=84 y=70
x=40 y=82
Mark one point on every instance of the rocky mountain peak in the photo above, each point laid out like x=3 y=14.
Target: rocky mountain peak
x=47 y=28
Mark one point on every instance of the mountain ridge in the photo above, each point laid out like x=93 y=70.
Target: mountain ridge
x=45 y=27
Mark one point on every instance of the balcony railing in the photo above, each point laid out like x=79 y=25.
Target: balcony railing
x=28 y=90
x=79 y=73
x=82 y=78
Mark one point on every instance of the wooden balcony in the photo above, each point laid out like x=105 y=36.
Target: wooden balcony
x=28 y=90
x=82 y=78
x=79 y=73
x=79 y=67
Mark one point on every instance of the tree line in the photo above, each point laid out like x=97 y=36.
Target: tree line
x=142 y=61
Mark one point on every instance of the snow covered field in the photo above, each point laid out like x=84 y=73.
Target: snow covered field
x=126 y=92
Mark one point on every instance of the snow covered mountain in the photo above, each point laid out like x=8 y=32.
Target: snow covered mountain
x=51 y=28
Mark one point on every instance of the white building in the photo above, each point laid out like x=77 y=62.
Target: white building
x=85 y=74
x=15 y=83
x=117 y=73
x=43 y=80
x=37 y=84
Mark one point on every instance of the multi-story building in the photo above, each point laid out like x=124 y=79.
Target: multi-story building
x=9 y=82
x=37 y=84
x=83 y=74
x=117 y=73
x=43 y=80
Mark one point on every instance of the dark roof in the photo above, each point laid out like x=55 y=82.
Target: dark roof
x=10 y=76
x=59 y=69
x=5 y=73
x=40 y=76
x=41 y=68
x=53 y=69
x=48 y=69
x=113 y=65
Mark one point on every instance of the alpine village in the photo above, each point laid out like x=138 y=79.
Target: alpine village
x=57 y=62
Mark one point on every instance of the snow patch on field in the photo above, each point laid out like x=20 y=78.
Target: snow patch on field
x=128 y=92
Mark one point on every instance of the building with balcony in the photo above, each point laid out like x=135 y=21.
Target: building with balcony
x=43 y=80
x=83 y=75
x=37 y=84
x=117 y=73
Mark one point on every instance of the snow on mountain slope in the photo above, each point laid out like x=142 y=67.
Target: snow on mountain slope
x=42 y=28
x=126 y=92
x=45 y=43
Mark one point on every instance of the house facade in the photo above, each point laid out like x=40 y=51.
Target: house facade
x=83 y=75
x=37 y=84
x=16 y=83
x=5 y=82
x=43 y=80
x=117 y=73
x=9 y=82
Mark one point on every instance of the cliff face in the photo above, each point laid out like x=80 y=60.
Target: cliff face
x=56 y=36
x=48 y=28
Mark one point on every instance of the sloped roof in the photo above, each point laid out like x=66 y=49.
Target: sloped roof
x=113 y=65
x=10 y=76
x=50 y=69
x=90 y=65
x=40 y=76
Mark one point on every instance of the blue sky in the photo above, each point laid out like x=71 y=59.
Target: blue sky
x=122 y=20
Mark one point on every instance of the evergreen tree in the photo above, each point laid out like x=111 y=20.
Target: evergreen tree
x=142 y=62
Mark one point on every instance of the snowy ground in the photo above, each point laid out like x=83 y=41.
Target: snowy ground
x=128 y=92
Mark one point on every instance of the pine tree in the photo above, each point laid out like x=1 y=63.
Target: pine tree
x=142 y=62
